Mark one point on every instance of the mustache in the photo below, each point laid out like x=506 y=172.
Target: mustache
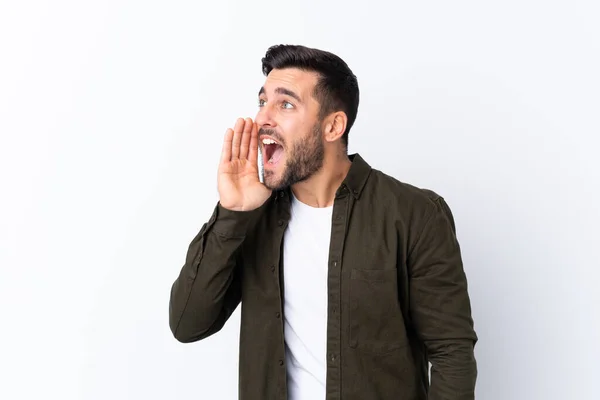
x=272 y=133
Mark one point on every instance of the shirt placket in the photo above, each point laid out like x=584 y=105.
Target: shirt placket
x=283 y=217
x=334 y=324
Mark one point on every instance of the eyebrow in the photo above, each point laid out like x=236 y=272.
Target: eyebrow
x=284 y=91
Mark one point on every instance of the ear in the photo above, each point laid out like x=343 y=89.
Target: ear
x=335 y=126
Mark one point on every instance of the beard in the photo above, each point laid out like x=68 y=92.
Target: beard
x=304 y=159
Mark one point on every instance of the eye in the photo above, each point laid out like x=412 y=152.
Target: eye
x=261 y=102
x=287 y=105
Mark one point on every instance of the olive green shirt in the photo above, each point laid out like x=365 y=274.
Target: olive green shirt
x=397 y=293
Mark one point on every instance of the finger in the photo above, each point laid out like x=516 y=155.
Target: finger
x=237 y=138
x=226 y=152
x=246 y=138
x=253 y=151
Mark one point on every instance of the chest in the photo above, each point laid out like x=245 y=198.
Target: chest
x=295 y=249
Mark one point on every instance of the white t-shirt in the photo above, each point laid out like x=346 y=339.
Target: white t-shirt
x=305 y=262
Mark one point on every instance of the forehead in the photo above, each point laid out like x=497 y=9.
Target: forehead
x=297 y=80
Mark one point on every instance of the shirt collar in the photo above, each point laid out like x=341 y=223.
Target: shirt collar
x=357 y=175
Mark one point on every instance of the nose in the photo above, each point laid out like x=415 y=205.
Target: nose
x=265 y=117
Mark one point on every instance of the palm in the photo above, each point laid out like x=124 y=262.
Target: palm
x=239 y=186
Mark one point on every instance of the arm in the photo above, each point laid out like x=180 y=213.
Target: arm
x=440 y=307
x=208 y=288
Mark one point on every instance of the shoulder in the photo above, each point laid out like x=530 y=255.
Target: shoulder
x=408 y=205
x=388 y=188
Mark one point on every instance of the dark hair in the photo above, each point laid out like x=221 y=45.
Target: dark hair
x=337 y=87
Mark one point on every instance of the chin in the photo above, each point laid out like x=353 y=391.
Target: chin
x=272 y=180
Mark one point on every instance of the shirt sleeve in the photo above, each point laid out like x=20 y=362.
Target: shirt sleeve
x=440 y=306
x=208 y=288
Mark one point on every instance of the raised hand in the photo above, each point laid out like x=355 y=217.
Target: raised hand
x=239 y=186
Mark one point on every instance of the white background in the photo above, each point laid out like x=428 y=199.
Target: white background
x=111 y=119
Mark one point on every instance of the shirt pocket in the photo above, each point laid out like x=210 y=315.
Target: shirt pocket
x=376 y=322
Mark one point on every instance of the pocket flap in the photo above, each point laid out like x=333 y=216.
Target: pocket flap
x=373 y=274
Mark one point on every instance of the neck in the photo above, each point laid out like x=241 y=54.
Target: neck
x=319 y=190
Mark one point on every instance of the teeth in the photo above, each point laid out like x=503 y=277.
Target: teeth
x=268 y=141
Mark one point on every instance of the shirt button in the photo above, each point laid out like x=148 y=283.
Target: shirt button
x=335 y=263
x=281 y=362
x=280 y=223
x=277 y=315
x=272 y=268
x=333 y=358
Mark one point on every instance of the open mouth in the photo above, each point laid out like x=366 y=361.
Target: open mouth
x=272 y=151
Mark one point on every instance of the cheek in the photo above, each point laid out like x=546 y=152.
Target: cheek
x=288 y=123
x=296 y=128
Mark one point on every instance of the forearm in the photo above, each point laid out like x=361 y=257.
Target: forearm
x=453 y=371
x=208 y=288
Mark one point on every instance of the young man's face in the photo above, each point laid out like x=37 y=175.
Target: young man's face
x=289 y=128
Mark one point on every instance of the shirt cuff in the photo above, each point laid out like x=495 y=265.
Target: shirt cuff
x=235 y=224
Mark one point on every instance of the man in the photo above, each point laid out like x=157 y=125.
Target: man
x=350 y=281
